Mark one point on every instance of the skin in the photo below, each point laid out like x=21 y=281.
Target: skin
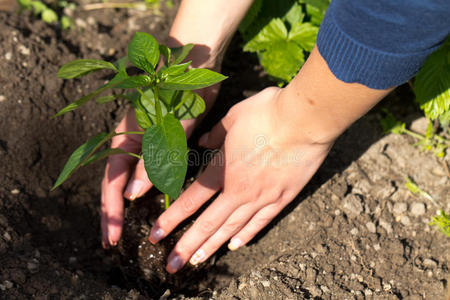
x=270 y=145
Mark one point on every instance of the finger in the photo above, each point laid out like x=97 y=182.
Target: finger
x=189 y=201
x=205 y=226
x=139 y=183
x=232 y=226
x=117 y=172
x=255 y=225
x=216 y=136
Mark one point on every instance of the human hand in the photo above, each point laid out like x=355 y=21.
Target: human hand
x=257 y=172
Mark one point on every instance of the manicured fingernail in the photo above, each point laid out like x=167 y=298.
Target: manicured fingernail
x=203 y=139
x=197 y=257
x=234 y=244
x=175 y=263
x=157 y=235
x=134 y=189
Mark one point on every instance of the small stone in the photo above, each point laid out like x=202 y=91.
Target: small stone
x=386 y=226
x=337 y=212
x=265 y=283
x=7 y=236
x=368 y=292
x=2 y=287
x=377 y=247
x=429 y=263
x=8 y=56
x=2 y=98
x=352 y=205
x=8 y=284
x=15 y=191
x=242 y=286
x=420 y=125
x=23 y=50
x=311 y=275
x=405 y=220
x=80 y=23
x=387 y=286
x=315 y=291
x=72 y=260
x=417 y=209
x=33 y=266
x=371 y=227
x=354 y=231
x=399 y=208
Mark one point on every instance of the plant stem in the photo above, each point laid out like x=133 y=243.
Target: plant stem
x=157 y=105
x=167 y=201
x=129 y=132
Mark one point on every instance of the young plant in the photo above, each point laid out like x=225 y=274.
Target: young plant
x=48 y=13
x=160 y=98
x=442 y=222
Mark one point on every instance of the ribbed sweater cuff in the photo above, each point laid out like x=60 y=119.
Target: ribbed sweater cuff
x=352 y=61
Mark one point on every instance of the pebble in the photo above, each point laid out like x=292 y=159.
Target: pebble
x=354 y=231
x=377 y=247
x=15 y=191
x=368 y=292
x=399 y=208
x=417 y=209
x=7 y=236
x=265 y=283
x=80 y=23
x=371 y=227
x=405 y=220
x=23 y=50
x=386 y=226
x=2 y=98
x=8 y=284
x=2 y=287
x=337 y=212
x=419 y=125
x=8 y=56
x=429 y=263
x=352 y=205
x=33 y=266
x=72 y=260
x=387 y=286
x=315 y=291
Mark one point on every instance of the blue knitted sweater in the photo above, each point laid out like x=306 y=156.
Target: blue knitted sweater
x=381 y=43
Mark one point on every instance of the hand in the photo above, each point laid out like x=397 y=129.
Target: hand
x=257 y=172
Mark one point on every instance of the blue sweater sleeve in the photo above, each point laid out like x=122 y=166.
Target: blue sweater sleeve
x=381 y=43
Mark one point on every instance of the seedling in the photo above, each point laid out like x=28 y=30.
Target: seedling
x=442 y=222
x=160 y=98
x=48 y=13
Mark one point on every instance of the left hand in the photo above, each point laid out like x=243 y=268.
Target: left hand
x=262 y=165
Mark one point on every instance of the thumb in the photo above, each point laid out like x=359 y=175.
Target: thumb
x=215 y=138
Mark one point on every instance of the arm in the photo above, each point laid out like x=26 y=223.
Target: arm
x=207 y=24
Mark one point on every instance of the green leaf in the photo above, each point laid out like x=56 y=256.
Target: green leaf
x=251 y=15
x=49 y=16
x=391 y=125
x=175 y=69
x=315 y=14
x=283 y=60
x=166 y=51
x=164 y=150
x=321 y=5
x=432 y=84
x=25 y=3
x=81 y=67
x=103 y=154
x=294 y=15
x=304 y=34
x=66 y=22
x=190 y=105
x=270 y=35
x=80 y=155
x=133 y=82
x=142 y=118
x=121 y=64
x=442 y=222
x=192 y=80
x=180 y=53
x=38 y=7
x=74 y=105
x=143 y=52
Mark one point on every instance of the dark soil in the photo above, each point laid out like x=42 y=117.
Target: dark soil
x=354 y=232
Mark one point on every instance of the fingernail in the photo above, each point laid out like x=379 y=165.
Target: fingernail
x=133 y=189
x=112 y=243
x=175 y=263
x=234 y=244
x=197 y=257
x=203 y=139
x=157 y=235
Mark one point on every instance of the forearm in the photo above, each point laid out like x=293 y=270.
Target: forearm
x=209 y=25
x=321 y=105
